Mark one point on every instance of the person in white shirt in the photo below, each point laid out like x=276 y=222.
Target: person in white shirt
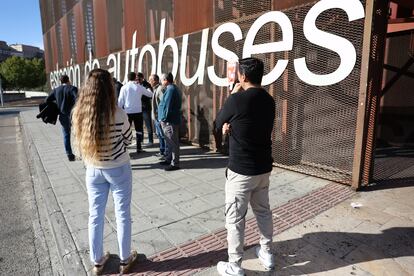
x=130 y=100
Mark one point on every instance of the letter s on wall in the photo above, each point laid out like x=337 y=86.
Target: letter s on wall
x=340 y=45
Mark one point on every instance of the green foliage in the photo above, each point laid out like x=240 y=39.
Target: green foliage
x=19 y=73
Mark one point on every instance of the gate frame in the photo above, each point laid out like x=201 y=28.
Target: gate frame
x=373 y=52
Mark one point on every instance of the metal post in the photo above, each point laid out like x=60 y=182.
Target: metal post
x=1 y=94
x=375 y=29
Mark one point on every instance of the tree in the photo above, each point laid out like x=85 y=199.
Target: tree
x=21 y=73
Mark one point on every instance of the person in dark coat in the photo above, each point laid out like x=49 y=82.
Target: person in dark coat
x=65 y=97
x=117 y=85
x=146 y=109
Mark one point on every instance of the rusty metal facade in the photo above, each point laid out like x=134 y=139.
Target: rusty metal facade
x=315 y=130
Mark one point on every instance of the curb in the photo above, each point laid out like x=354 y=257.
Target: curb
x=68 y=253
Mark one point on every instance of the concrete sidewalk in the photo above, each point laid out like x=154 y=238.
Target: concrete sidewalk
x=374 y=239
x=178 y=216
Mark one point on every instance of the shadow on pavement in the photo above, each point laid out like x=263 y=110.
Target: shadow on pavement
x=333 y=250
x=328 y=251
x=390 y=184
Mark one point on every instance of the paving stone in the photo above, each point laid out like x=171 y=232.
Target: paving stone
x=140 y=191
x=154 y=179
x=188 y=181
x=179 y=195
x=216 y=199
x=212 y=220
x=67 y=181
x=182 y=231
x=142 y=223
x=67 y=189
x=150 y=242
x=193 y=206
x=202 y=189
x=164 y=187
x=151 y=203
x=72 y=204
x=165 y=215
x=370 y=259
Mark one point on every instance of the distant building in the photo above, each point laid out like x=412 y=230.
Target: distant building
x=20 y=50
x=28 y=51
x=7 y=51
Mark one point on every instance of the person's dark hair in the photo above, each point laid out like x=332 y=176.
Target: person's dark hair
x=170 y=77
x=132 y=76
x=64 y=79
x=252 y=69
x=140 y=75
x=155 y=77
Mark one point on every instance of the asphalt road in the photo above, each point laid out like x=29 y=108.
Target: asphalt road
x=24 y=235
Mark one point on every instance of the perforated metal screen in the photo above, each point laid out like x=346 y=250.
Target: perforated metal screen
x=315 y=126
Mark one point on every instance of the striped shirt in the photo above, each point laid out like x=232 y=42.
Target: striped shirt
x=114 y=153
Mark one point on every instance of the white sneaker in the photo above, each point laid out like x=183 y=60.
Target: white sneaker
x=266 y=258
x=230 y=269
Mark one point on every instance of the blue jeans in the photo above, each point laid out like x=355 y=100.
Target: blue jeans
x=98 y=183
x=160 y=135
x=65 y=122
x=148 y=124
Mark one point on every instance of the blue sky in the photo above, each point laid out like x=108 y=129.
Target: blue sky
x=20 y=22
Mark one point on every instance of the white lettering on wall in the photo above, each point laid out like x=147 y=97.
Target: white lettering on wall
x=163 y=44
x=285 y=45
x=201 y=63
x=148 y=48
x=222 y=52
x=340 y=45
x=343 y=47
x=134 y=50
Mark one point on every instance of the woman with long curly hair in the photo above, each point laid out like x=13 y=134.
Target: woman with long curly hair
x=102 y=133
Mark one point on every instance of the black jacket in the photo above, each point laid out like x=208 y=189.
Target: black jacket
x=48 y=112
x=146 y=101
x=65 y=97
x=251 y=115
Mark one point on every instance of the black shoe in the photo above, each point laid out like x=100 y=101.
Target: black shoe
x=171 y=168
x=164 y=163
x=71 y=157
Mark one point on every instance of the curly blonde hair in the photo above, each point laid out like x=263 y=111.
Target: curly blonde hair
x=93 y=114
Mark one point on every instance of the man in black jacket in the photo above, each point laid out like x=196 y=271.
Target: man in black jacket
x=146 y=109
x=248 y=116
x=65 y=98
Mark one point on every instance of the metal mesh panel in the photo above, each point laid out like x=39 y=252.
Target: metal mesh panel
x=229 y=10
x=89 y=25
x=156 y=10
x=72 y=35
x=59 y=43
x=394 y=153
x=315 y=126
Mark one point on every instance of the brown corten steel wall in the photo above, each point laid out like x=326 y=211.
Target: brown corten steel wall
x=53 y=42
x=65 y=39
x=101 y=22
x=47 y=53
x=280 y=5
x=315 y=130
x=192 y=16
x=80 y=37
x=133 y=23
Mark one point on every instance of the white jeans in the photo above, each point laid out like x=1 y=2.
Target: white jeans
x=99 y=182
x=240 y=190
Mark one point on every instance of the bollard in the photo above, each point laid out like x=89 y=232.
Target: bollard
x=1 y=94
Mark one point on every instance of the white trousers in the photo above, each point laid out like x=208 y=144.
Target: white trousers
x=240 y=190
